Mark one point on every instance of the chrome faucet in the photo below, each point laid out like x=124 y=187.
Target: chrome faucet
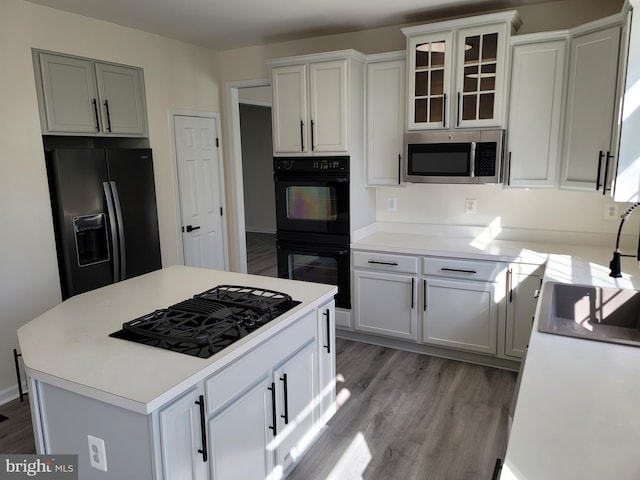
x=614 y=264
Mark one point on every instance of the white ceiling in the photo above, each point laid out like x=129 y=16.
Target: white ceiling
x=227 y=24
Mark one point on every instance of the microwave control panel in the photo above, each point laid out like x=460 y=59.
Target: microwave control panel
x=485 y=159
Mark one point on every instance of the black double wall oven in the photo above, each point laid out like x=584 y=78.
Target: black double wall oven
x=312 y=220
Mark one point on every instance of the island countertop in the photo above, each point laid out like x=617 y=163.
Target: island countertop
x=69 y=346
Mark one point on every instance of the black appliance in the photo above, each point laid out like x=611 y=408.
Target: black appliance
x=312 y=220
x=104 y=214
x=209 y=322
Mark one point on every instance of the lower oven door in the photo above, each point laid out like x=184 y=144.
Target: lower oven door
x=319 y=263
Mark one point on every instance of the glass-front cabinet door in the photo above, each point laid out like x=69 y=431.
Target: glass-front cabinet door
x=479 y=76
x=431 y=59
x=456 y=72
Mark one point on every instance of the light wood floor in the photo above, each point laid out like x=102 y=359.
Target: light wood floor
x=261 y=254
x=411 y=416
x=403 y=416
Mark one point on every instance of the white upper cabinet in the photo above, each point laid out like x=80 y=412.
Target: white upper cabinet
x=313 y=96
x=589 y=148
x=627 y=187
x=535 y=101
x=457 y=72
x=79 y=96
x=385 y=119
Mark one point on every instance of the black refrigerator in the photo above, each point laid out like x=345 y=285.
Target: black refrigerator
x=104 y=215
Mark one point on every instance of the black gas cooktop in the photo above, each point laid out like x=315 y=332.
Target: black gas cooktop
x=209 y=322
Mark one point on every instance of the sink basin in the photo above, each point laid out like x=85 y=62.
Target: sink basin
x=606 y=314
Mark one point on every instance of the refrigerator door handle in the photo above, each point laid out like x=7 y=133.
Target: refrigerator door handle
x=113 y=228
x=116 y=202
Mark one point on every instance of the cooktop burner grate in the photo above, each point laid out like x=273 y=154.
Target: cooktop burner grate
x=209 y=322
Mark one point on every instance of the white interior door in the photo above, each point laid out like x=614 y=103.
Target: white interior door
x=200 y=186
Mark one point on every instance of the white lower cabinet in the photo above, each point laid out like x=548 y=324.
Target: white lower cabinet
x=239 y=436
x=523 y=284
x=460 y=314
x=255 y=417
x=181 y=438
x=327 y=361
x=385 y=295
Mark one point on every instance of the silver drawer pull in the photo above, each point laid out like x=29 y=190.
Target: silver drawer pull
x=383 y=263
x=446 y=269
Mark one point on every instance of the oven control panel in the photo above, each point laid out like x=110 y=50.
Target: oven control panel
x=311 y=164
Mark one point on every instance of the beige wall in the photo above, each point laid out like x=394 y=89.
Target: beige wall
x=177 y=75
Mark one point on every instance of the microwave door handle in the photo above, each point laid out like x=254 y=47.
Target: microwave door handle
x=472 y=159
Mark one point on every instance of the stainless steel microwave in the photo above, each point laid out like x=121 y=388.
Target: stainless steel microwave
x=469 y=156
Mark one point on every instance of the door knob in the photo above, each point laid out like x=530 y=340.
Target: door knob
x=190 y=228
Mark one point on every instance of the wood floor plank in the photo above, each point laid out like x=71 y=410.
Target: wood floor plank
x=411 y=416
x=16 y=435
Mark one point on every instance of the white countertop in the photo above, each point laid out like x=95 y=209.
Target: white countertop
x=69 y=346
x=577 y=415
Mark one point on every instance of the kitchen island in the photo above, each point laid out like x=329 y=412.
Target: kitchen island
x=163 y=414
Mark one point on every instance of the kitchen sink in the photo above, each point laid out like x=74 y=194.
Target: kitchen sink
x=606 y=314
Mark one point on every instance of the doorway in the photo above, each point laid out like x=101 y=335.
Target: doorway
x=257 y=179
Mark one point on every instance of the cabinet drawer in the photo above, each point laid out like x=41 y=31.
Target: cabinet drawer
x=459 y=268
x=244 y=373
x=385 y=261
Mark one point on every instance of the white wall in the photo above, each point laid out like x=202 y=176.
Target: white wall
x=177 y=75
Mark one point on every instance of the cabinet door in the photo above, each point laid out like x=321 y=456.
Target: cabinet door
x=537 y=82
x=327 y=361
x=240 y=435
x=593 y=66
x=289 y=110
x=386 y=304
x=480 y=76
x=460 y=314
x=328 y=106
x=297 y=391
x=385 y=121
x=429 y=71
x=70 y=96
x=523 y=283
x=181 y=438
x=121 y=93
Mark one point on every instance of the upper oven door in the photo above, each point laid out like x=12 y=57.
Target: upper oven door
x=317 y=203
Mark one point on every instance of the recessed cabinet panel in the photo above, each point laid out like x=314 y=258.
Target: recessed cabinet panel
x=70 y=95
x=328 y=103
x=590 y=110
x=461 y=315
x=385 y=304
x=521 y=299
x=121 y=92
x=290 y=108
x=537 y=80
x=386 y=102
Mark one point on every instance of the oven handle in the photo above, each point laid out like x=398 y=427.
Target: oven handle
x=317 y=251
x=312 y=177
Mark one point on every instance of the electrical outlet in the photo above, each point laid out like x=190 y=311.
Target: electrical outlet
x=392 y=204
x=611 y=212
x=97 y=453
x=470 y=205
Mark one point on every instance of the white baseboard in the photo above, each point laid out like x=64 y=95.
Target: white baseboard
x=11 y=393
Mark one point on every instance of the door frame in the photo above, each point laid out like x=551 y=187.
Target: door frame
x=174 y=177
x=235 y=156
